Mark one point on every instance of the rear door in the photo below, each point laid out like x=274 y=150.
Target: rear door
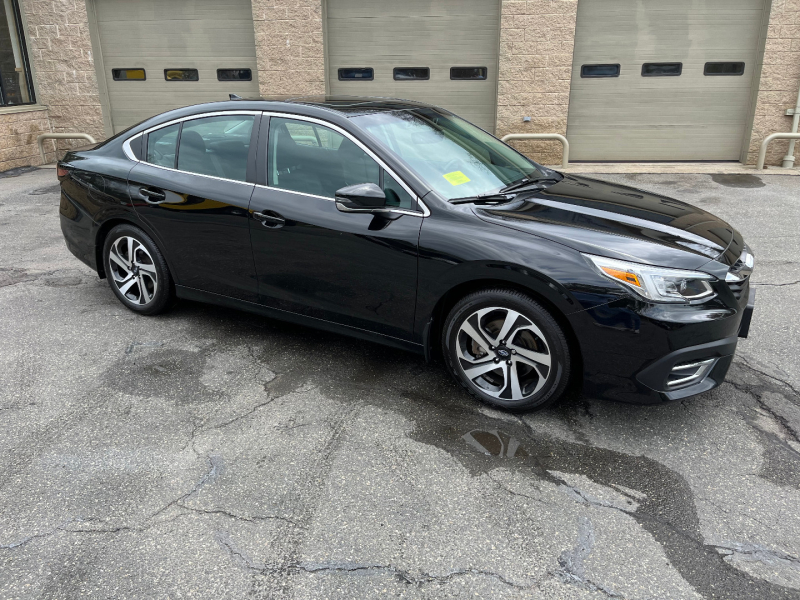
x=354 y=269
x=193 y=188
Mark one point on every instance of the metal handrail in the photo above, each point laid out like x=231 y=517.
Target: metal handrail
x=762 y=152
x=60 y=136
x=542 y=136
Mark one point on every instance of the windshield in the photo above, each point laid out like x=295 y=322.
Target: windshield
x=455 y=158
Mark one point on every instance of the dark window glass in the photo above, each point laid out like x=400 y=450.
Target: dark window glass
x=724 y=68
x=313 y=159
x=661 y=69
x=599 y=70
x=363 y=73
x=234 y=75
x=181 y=75
x=411 y=73
x=216 y=146
x=468 y=72
x=161 y=145
x=396 y=195
x=16 y=85
x=128 y=74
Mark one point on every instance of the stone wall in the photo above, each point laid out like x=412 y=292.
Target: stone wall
x=536 y=43
x=18 y=131
x=780 y=78
x=289 y=46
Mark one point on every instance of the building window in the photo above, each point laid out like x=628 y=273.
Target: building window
x=128 y=74
x=358 y=74
x=234 y=75
x=468 y=73
x=724 y=68
x=661 y=69
x=181 y=75
x=599 y=70
x=16 y=85
x=411 y=73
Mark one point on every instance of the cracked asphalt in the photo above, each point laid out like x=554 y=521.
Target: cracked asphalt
x=214 y=454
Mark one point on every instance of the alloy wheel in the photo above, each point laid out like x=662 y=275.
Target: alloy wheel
x=133 y=270
x=504 y=353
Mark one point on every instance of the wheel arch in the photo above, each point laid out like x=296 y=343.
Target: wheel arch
x=448 y=300
x=109 y=224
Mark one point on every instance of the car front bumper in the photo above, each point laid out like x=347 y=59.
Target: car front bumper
x=647 y=354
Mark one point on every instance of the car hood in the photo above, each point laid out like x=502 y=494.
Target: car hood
x=618 y=222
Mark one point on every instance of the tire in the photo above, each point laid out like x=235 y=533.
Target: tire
x=531 y=365
x=144 y=285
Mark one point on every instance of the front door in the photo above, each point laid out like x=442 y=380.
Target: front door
x=192 y=189
x=354 y=269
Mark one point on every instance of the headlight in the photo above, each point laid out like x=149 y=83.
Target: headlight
x=656 y=283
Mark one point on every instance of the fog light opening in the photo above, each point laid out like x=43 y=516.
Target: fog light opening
x=686 y=374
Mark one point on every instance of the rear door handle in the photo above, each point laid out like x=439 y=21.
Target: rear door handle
x=152 y=196
x=269 y=218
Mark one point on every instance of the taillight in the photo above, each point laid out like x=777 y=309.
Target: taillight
x=61 y=171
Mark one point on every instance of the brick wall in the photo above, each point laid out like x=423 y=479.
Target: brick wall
x=60 y=50
x=289 y=46
x=536 y=43
x=780 y=77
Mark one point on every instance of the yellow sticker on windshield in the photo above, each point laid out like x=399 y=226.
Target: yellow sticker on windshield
x=456 y=177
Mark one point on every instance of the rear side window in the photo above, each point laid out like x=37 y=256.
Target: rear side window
x=599 y=70
x=723 y=68
x=162 y=144
x=314 y=159
x=216 y=146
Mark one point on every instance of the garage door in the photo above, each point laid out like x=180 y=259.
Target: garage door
x=160 y=55
x=439 y=51
x=656 y=80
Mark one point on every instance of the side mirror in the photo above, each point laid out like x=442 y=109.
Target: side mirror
x=361 y=197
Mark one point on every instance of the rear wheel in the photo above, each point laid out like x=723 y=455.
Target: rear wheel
x=136 y=270
x=506 y=350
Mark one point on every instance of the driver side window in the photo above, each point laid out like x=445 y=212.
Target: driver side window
x=314 y=159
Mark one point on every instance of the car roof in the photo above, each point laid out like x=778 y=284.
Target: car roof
x=353 y=105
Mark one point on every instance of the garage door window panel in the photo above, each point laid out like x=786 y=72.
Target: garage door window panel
x=724 y=68
x=181 y=75
x=128 y=74
x=234 y=75
x=162 y=146
x=356 y=74
x=411 y=73
x=590 y=71
x=216 y=146
x=313 y=159
x=468 y=73
x=662 y=69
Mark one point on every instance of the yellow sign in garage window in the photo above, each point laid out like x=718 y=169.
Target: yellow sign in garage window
x=128 y=74
x=456 y=178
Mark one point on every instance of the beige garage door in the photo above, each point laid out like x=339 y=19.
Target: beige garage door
x=662 y=115
x=189 y=38
x=436 y=35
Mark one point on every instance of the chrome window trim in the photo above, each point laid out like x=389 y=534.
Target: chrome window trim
x=424 y=213
x=126 y=148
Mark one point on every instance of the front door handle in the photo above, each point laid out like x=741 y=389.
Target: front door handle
x=270 y=219
x=153 y=196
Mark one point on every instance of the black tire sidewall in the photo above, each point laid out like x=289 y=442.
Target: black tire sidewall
x=557 y=378
x=161 y=301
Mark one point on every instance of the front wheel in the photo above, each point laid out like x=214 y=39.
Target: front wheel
x=136 y=270
x=506 y=350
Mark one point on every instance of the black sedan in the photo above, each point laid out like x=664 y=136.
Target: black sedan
x=401 y=223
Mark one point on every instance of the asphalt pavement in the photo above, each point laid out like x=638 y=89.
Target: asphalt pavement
x=209 y=453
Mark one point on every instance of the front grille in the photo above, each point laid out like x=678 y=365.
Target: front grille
x=738 y=287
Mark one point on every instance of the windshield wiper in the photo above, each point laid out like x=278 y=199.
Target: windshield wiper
x=525 y=183
x=481 y=198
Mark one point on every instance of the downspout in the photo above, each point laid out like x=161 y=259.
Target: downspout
x=788 y=160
